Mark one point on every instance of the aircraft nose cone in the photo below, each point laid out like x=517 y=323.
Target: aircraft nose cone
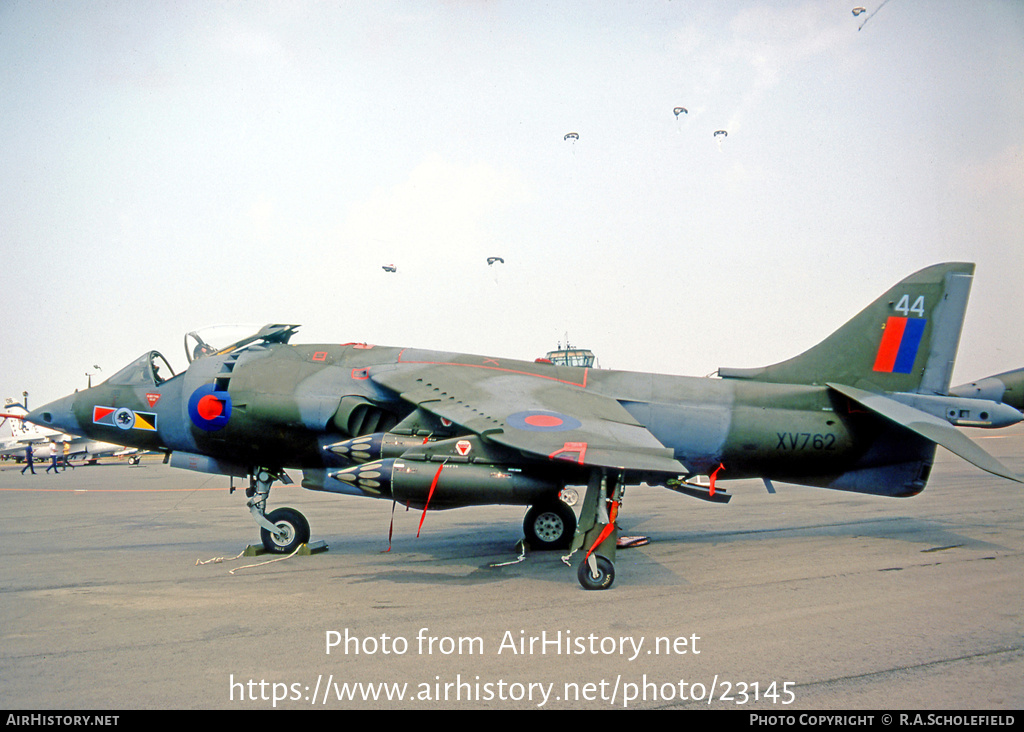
x=59 y=415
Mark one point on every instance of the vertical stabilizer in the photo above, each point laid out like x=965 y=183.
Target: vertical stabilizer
x=905 y=341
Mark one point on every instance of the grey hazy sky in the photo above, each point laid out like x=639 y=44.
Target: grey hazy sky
x=171 y=165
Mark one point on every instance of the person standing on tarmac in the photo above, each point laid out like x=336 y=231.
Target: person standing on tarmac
x=54 y=451
x=28 y=460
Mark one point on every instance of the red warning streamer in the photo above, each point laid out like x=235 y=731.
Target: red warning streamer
x=607 y=529
x=433 y=485
x=721 y=466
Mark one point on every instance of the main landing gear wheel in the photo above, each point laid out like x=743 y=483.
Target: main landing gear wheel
x=549 y=526
x=599 y=578
x=293 y=531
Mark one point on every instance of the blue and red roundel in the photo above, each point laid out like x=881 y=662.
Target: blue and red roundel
x=538 y=421
x=209 y=409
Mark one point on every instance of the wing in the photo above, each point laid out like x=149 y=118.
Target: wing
x=543 y=412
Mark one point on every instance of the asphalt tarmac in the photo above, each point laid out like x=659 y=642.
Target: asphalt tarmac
x=803 y=600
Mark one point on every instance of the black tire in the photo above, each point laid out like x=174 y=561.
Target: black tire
x=605 y=574
x=549 y=526
x=295 y=530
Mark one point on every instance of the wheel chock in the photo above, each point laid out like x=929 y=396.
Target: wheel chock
x=313 y=547
x=305 y=550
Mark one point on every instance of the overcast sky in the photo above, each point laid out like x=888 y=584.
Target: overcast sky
x=166 y=166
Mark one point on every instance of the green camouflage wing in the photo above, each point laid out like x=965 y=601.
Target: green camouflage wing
x=533 y=410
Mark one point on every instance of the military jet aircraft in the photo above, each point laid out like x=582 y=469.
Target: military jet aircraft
x=862 y=411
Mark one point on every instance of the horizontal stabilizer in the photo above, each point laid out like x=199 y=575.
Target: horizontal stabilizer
x=930 y=427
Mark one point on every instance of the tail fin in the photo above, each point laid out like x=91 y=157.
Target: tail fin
x=16 y=414
x=905 y=341
x=893 y=358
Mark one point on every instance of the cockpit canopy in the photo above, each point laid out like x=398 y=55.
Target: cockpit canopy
x=226 y=338
x=149 y=369
x=152 y=369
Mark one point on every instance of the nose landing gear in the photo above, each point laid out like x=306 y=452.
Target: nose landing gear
x=292 y=531
x=283 y=530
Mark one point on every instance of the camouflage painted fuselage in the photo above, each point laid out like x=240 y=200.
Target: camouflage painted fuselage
x=279 y=406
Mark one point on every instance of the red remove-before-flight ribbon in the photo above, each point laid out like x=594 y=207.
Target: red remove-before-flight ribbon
x=607 y=529
x=714 y=475
x=433 y=485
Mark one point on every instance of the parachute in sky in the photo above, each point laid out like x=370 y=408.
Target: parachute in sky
x=721 y=133
x=572 y=137
x=679 y=110
x=492 y=260
x=858 y=11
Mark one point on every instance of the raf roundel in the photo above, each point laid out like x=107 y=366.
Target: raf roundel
x=538 y=421
x=209 y=409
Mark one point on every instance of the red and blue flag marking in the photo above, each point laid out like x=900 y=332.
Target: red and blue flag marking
x=900 y=342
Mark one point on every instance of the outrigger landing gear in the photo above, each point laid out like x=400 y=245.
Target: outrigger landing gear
x=597 y=533
x=596 y=573
x=283 y=530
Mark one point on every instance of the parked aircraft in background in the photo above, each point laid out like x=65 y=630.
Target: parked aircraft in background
x=1005 y=388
